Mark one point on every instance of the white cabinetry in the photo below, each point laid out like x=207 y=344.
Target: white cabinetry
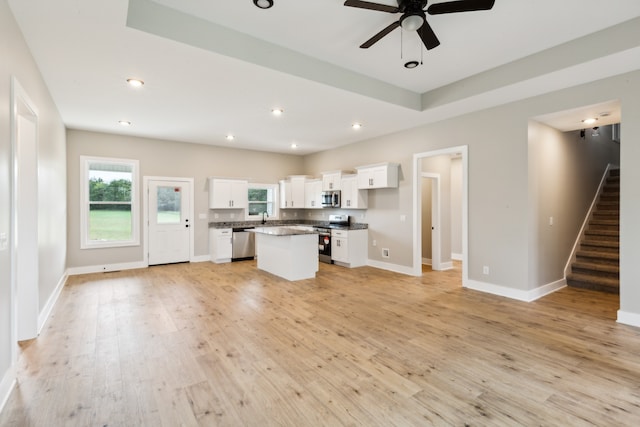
x=383 y=175
x=228 y=193
x=313 y=194
x=220 y=244
x=349 y=247
x=352 y=197
x=292 y=192
x=331 y=180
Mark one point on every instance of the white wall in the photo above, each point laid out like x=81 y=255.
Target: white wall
x=16 y=61
x=165 y=158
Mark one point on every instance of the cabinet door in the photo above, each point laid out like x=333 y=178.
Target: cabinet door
x=297 y=192
x=340 y=249
x=313 y=194
x=225 y=247
x=219 y=194
x=365 y=178
x=285 y=194
x=239 y=194
x=331 y=181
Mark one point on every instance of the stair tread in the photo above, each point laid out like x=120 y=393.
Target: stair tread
x=605 y=268
x=607 y=281
x=598 y=254
x=601 y=243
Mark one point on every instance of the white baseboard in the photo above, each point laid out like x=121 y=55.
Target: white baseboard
x=74 y=271
x=6 y=386
x=48 y=307
x=446 y=266
x=456 y=257
x=391 y=267
x=631 y=319
x=201 y=258
x=426 y=261
x=517 y=294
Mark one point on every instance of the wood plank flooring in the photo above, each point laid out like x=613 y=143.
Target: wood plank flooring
x=228 y=345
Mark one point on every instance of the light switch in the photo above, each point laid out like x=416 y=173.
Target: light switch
x=202 y=216
x=550 y=220
x=4 y=241
x=403 y=218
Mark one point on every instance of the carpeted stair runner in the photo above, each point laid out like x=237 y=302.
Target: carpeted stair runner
x=597 y=264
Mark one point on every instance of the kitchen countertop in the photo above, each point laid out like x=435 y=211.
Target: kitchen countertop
x=285 y=223
x=284 y=231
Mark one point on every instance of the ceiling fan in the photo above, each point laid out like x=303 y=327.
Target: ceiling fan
x=414 y=17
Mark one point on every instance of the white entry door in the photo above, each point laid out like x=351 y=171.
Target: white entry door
x=169 y=221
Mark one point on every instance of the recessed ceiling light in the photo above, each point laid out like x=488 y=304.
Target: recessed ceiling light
x=590 y=121
x=356 y=126
x=263 y=4
x=411 y=64
x=124 y=122
x=230 y=137
x=277 y=111
x=294 y=146
x=135 y=82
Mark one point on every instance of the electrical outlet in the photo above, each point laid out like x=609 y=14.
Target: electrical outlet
x=202 y=216
x=232 y=215
x=385 y=252
x=485 y=270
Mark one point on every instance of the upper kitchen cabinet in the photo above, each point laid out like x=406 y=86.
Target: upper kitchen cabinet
x=332 y=181
x=292 y=192
x=352 y=196
x=313 y=194
x=228 y=193
x=382 y=175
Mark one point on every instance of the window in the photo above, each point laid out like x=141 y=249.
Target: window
x=109 y=202
x=262 y=198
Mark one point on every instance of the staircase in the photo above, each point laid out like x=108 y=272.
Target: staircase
x=597 y=263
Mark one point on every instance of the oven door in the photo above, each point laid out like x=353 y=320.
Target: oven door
x=324 y=247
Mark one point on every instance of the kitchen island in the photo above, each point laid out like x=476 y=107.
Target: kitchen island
x=288 y=252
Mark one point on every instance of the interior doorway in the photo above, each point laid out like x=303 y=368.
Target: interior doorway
x=431 y=231
x=24 y=236
x=419 y=180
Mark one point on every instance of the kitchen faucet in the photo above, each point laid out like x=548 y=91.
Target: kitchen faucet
x=264 y=217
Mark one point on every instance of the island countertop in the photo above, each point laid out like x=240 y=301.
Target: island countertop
x=284 y=231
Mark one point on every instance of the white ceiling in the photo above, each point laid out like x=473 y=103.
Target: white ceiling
x=213 y=67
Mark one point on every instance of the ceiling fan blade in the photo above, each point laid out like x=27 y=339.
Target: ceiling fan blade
x=428 y=37
x=373 y=40
x=460 y=6
x=371 y=6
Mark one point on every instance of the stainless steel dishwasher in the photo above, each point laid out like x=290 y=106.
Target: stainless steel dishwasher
x=243 y=244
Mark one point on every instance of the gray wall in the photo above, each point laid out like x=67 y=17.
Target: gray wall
x=564 y=174
x=427 y=212
x=17 y=61
x=165 y=158
x=499 y=203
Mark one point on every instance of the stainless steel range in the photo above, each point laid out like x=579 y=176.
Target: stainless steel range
x=324 y=236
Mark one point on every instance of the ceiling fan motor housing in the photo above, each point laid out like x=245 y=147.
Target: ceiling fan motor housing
x=412 y=7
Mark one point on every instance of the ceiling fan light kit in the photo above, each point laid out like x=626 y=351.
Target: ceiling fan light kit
x=414 y=16
x=263 y=4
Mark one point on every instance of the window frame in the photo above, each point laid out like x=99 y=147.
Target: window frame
x=276 y=205
x=85 y=203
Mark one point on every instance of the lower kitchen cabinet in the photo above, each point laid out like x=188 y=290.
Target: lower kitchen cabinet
x=349 y=247
x=220 y=244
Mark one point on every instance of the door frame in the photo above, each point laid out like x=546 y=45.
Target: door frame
x=145 y=213
x=26 y=303
x=417 y=207
x=436 y=243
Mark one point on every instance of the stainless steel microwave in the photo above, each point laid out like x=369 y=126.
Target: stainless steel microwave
x=331 y=199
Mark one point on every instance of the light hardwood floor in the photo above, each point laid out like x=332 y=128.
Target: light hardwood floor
x=228 y=345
